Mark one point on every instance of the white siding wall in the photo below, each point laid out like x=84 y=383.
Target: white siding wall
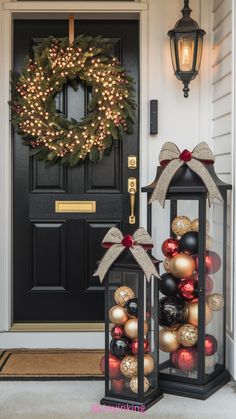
x=222 y=135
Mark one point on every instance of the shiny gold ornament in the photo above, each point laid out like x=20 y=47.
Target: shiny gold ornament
x=129 y=366
x=192 y=316
x=195 y=225
x=187 y=335
x=168 y=341
x=166 y=264
x=122 y=295
x=117 y=315
x=133 y=384
x=173 y=328
x=149 y=364
x=131 y=328
x=182 y=266
x=181 y=225
x=216 y=302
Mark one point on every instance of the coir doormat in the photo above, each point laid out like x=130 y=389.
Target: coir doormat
x=37 y=364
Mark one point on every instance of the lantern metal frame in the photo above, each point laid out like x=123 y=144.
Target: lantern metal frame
x=126 y=263
x=186 y=185
x=186 y=26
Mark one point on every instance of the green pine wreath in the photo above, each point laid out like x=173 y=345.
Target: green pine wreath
x=51 y=136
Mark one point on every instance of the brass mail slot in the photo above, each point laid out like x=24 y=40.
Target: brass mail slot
x=75 y=206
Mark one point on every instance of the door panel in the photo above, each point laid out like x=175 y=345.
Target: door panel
x=55 y=254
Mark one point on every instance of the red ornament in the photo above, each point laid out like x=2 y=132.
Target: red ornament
x=213 y=262
x=187 y=359
x=209 y=283
x=170 y=247
x=117 y=386
x=174 y=358
x=186 y=155
x=134 y=346
x=117 y=332
x=210 y=345
x=188 y=288
x=128 y=241
x=114 y=366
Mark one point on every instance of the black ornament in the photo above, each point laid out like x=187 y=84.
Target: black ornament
x=169 y=284
x=120 y=347
x=172 y=310
x=189 y=243
x=131 y=307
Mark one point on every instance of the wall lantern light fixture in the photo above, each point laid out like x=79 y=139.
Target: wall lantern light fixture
x=186 y=43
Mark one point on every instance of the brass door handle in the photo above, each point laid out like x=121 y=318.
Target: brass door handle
x=132 y=189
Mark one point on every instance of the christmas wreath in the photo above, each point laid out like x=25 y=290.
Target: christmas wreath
x=51 y=136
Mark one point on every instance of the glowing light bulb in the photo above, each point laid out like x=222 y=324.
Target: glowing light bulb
x=186 y=53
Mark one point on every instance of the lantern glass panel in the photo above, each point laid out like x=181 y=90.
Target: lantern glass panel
x=173 y=53
x=216 y=251
x=199 y=53
x=186 y=45
x=120 y=385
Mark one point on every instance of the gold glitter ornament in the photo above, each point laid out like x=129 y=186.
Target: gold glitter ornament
x=168 y=341
x=195 y=225
x=123 y=294
x=216 y=302
x=181 y=225
x=166 y=264
x=117 y=315
x=187 y=335
x=133 y=384
x=129 y=366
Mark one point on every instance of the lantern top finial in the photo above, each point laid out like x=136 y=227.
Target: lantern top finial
x=186 y=9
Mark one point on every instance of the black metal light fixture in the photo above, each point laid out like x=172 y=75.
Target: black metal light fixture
x=186 y=43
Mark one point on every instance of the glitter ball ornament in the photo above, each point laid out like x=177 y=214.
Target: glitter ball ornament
x=117 y=315
x=131 y=307
x=129 y=366
x=168 y=341
x=210 y=345
x=182 y=266
x=181 y=225
x=166 y=264
x=114 y=366
x=133 y=385
x=169 y=284
x=187 y=359
x=195 y=225
x=188 y=289
x=134 y=346
x=170 y=247
x=172 y=310
x=117 y=332
x=192 y=316
x=187 y=335
x=131 y=328
x=216 y=301
x=123 y=294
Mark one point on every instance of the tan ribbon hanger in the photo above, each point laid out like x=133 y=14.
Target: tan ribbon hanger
x=71 y=29
x=137 y=244
x=172 y=159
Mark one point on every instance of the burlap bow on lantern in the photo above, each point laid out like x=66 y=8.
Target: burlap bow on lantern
x=116 y=243
x=172 y=159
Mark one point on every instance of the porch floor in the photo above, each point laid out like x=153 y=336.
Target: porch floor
x=79 y=399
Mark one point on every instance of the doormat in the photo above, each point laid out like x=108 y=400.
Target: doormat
x=46 y=364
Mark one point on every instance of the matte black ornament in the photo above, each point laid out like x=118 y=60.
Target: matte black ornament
x=120 y=347
x=172 y=310
x=169 y=284
x=189 y=243
x=131 y=307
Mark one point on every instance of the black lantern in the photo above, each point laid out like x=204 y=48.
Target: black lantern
x=186 y=43
x=131 y=336
x=192 y=310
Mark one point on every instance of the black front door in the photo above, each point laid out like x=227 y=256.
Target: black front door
x=55 y=253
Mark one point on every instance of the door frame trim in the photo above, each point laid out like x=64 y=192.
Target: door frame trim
x=9 y=11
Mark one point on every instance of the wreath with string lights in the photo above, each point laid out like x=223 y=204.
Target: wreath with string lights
x=51 y=136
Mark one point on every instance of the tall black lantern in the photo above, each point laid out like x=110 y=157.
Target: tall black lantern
x=186 y=43
x=192 y=306
x=131 y=336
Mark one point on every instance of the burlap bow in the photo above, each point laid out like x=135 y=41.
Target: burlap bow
x=116 y=243
x=172 y=159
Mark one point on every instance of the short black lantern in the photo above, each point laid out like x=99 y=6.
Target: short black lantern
x=186 y=43
x=192 y=306
x=131 y=323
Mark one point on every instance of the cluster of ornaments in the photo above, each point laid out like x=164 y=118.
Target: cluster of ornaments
x=178 y=310
x=123 y=360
